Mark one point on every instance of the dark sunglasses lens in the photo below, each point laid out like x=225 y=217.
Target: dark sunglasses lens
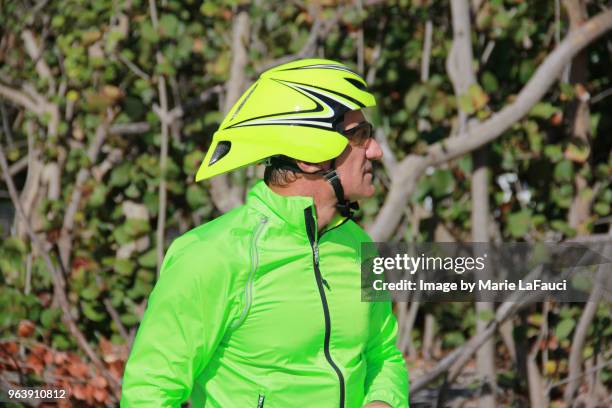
x=361 y=135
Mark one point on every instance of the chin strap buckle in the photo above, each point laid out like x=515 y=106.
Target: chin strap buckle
x=347 y=208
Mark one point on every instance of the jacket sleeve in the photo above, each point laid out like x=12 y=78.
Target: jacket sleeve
x=387 y=377
x=186 y=318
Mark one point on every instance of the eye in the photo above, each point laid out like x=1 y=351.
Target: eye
x=360 y=134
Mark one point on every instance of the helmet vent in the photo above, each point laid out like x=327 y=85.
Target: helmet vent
x=221 y=150
x=358 y=84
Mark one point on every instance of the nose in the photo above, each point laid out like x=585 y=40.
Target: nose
x=373 y=150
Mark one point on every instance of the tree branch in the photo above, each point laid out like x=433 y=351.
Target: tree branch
x=19 y=98
x=458 y=357
x=135 y=128
x=588 y=313
x=35 y=54
x=162 y=113
x=461 y=73
x=223 y=194
x=66 y=238
x=412 y=167
x=34 y=103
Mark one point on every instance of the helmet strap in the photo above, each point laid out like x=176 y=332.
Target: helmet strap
x=345 y=208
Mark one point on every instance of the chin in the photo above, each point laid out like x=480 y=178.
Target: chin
x=366 y=192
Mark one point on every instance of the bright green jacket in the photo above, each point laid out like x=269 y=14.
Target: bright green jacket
x=258 y=309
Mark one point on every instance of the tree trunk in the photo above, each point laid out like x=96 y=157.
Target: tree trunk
x=459 y=67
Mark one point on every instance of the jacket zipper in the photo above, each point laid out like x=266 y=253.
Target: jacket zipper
x=248 y=288
x=314 y=244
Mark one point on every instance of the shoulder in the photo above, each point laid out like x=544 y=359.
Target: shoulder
x=216 y=251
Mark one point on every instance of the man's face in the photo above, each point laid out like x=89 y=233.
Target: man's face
x=354 y=165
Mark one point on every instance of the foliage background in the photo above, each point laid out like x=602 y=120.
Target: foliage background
x=107 y=111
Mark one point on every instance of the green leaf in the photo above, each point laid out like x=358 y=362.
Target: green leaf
x=169 y=25
x=98 y=196
x=213 y=118
x=438 y=110
x=442 y=182
x=567 y=90
x=124 y=267
x=553 y=152
x=151 y=201
x=413 y=97
x=562 y=195
x=602 y=209
x=196 y=196
x=534 y=136
x=489 y=82
x=137 y=227
x=61 y=342
x=148 y=33
x=564 y=171
x=543 y=110
x=465 y=103
x=409 y=135
x=58 y=21
x=453 y=339
x=564 y=328
x=91 y=292
x=486 y=315
x=209 y=8
x=91 y=313
x=582 y=282
x=192 y=161
x=120 y=175
x=132 y=191
x=14 y=244
x=578 y=151
x=122 y=235
x=49 y=317
x=563 y=227
x=478 y=96
x=129 y=319
x=519 y=223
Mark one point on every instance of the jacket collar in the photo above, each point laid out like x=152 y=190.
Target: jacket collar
x=289 y=209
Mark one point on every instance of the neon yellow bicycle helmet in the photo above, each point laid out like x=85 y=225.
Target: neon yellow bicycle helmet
x=294 y=110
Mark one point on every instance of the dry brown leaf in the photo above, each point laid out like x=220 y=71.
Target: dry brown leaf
x=35 y=363
x=25 y=328
x=79 y=391
x=9 y=347
x=39 y=351
x=116 y=369
x=78 y=370
x=100 y=395
x=48 y=358
x=60 y=357
x=99 y=382
x=89 y=394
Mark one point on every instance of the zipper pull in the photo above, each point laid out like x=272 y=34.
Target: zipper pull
x=315 y=248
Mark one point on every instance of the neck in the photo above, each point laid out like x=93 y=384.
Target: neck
x=312 y=186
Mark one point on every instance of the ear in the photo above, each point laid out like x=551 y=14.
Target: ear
x=313 y=167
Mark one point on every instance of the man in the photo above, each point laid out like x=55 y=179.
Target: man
x=261 y=307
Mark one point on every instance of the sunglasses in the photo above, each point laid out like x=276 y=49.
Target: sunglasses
x=360 y=134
